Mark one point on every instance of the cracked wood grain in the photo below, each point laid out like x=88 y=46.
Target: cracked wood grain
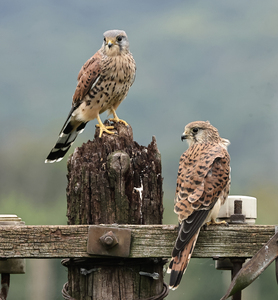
x=68 y=241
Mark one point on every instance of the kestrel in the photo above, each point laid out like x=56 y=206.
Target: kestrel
x=103 y=83
x=202 y=187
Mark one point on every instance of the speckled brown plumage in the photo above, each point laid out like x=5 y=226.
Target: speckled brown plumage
x=202 y=186
x=103 y=83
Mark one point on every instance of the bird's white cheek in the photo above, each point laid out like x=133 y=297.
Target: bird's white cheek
x=189 y=142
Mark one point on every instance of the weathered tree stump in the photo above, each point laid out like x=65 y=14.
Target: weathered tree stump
x=113 y=179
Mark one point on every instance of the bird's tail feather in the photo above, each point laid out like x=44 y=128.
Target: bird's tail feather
x=67 y=136
x=178 y=264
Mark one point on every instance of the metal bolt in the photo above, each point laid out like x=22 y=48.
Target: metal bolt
x=237 y=217
x=109 y=240
x=238 y=207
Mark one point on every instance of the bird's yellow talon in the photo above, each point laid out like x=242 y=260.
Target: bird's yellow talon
x=103 y=128
x=117 y=120
x=214 y=222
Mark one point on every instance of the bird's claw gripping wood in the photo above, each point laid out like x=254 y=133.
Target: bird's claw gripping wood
x=116 y=119
x=103 y=128
x=214 y=222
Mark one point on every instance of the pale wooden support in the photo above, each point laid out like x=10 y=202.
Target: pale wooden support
x=64 y=241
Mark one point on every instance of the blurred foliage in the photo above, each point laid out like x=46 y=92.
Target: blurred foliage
x=44 y=278
x=267 y=204
x=196 y=60
x=34 y=213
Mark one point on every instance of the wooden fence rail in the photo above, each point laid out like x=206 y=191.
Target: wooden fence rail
x=70 y=241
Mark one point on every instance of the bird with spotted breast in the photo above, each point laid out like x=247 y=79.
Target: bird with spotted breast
x=203 y=185
x=103 y=83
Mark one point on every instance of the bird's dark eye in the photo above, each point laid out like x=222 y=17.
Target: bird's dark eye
x=104 y=39
x=195 y=129
x=119 y=38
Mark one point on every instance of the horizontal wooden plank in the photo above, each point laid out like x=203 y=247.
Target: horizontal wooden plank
x=63 y=241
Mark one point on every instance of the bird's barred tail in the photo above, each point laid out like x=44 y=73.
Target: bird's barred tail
x=178 y=264
x=67 y=136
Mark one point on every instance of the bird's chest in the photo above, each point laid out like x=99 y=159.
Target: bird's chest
x=111 y=88
x=116 y=79
x=119 y=70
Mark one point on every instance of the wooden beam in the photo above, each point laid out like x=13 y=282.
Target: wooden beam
x=67 y=241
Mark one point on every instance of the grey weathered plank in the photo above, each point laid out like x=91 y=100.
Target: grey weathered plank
x=62 y=241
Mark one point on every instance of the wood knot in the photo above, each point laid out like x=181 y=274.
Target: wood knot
x=56 y=234
x=118 y=162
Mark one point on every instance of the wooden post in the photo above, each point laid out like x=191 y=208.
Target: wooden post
x=113 y=179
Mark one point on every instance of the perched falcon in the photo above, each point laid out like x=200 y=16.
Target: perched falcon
x=202 y=187
x=103 y=83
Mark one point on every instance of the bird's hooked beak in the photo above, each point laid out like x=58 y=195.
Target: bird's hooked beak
x=185 y=135
x=110 y=44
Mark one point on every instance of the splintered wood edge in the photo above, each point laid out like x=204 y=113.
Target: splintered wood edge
x=68 y=241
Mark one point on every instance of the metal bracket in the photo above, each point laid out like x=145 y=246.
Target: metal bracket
x=254 y=267
x=109 y=241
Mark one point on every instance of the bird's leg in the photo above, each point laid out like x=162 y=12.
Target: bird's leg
x=103 y=128
x=116 y=118
x=214 y=222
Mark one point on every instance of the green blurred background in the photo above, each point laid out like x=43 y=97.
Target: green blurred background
x=196 y=60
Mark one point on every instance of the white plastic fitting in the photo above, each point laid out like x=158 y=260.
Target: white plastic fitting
x=249 y=208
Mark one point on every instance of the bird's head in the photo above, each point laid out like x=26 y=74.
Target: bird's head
x=115 y=42
x=202 y=132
